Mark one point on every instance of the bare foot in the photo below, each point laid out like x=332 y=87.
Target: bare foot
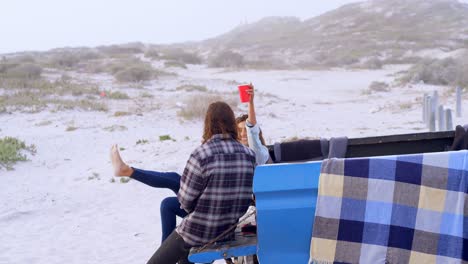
x=120 y=168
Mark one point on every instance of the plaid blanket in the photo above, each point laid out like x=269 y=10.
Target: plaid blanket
x=395 y=209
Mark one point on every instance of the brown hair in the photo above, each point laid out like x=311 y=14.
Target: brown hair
x=243 y=118
x=219 y=119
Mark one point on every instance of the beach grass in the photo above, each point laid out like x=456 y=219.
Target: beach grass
x=12 y=151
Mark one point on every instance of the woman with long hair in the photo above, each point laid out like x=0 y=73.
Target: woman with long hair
x=215 y=187
x=248 y=133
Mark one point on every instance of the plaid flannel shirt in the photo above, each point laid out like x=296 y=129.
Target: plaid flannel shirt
x=215 y=188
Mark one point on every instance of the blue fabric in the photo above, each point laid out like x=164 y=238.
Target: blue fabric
x=403 y=215
x=400 y=209
x=382 y=169
x=169 y=180
x=378 y=212
x=376 y=234
x=358 y=212
x=408 y=172
x=170 y=208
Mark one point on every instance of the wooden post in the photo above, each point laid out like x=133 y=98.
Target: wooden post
x=424 y=113
x=428 y=110
x=435 y=103
x=432 y=121
x=448 y=119
x=441 y=118
x=459 y=101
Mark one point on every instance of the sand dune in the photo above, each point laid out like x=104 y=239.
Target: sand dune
x=62 y=206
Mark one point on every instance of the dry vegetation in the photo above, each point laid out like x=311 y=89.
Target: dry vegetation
x=180 y=55
x=439 y=72
x=115 y=128
x=43 y=123
x=196 y=105
x=192 y=88
x=24 y=88
x=117 y=95
x=375 y=87
x=146 y=95
x=137 y=73
x=118 y=60
x=226 y=59
x=28 y=81
x=152 y=54
x=176 y=64
x=165 y=138
x=127 y=69
x=71 y=60
x=118 y=50
x=121 y=113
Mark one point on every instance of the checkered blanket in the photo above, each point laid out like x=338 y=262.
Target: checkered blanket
x=396 y=209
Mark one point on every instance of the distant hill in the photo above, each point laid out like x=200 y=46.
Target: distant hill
x=363 y=34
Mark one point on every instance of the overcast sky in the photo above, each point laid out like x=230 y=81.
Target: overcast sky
x=46 y=24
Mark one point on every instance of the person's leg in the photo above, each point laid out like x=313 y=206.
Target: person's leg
x=170 y=208
x=170 y=180
x=173 y=250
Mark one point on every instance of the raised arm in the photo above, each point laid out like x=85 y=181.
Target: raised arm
x=253 y=132
x=252 y=117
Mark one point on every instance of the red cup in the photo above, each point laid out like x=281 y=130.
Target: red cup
x=244 y=96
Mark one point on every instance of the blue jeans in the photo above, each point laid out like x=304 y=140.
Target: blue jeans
x=170 y=207
x=169 y=180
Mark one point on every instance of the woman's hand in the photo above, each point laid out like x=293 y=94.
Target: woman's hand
x=251 y=92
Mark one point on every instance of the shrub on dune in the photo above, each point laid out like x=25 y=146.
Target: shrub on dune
x=122 y=49
x=379 y=87
x=64 y=61
x=196 y=105
x=11 y=152
x=152 y=54
x=449 y=71
x=117 y=95
x=135 y=73
x=176 y=64
x=226 y=59
x=23 y=71
x=192 y=88
x=181 y=56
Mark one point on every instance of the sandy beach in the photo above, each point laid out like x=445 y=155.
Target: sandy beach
x=65 y=205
